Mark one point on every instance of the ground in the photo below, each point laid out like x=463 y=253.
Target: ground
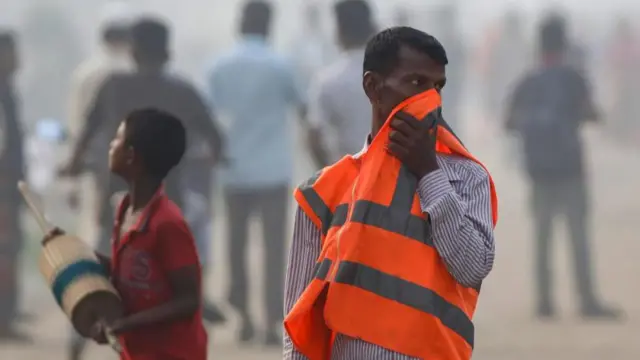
x=506 y=329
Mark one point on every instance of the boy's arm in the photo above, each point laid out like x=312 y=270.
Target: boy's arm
x=183 y=304
x=176 y=254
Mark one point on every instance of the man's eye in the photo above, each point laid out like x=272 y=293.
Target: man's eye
x=417 y=82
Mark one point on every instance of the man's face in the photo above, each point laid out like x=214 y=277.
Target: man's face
x=414 y=74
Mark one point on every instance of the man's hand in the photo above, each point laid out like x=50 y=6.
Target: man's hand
x=412 y=142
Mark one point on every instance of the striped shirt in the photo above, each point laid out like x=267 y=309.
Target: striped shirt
x=458 y=200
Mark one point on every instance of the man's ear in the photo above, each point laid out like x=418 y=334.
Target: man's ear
x=371 y=84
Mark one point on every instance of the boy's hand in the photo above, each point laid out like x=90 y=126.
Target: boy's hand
x=55 y=232
x=99 y=332
x=101 y=329
x=117 y=327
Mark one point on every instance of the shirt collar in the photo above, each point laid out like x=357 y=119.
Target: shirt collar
x=367 y=142
x=142 y=224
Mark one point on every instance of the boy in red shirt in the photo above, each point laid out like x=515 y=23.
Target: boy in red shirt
x=154 y=264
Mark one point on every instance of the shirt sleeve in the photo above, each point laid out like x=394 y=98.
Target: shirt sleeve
x=304 y=252
x=175 y=246
x=461 y=221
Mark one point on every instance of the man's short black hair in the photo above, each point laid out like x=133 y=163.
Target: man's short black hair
x=115 y=34
x=553 y=34
x=150 y=37
x=382 y=51
x=256 y=18
x=158 y=137
x=354 y=21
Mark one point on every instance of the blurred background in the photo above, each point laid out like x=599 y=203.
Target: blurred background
x=59 y=45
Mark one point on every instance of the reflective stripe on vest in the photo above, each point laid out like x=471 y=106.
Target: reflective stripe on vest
x=369 y=213
x=400 y=291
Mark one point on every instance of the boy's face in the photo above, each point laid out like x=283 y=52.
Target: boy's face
x=121 y=156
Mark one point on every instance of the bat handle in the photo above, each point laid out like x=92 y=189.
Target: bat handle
x=29 y=198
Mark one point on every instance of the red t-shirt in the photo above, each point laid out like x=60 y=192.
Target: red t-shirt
x=142 y=258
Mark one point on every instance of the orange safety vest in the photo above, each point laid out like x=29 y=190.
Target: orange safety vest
x=379 y=277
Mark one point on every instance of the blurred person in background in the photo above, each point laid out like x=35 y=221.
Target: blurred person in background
x=148 y=86
x=624 y=73
x=255 y=88
x=339 y=111
x=547 y=111
x=12 y=169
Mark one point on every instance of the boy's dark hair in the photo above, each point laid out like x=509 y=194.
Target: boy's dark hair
x=382 y=51
x=354 y=22
x=115 y=34
x=256 y=18
x=150 y=38
x=158 y=137
x=552 y=34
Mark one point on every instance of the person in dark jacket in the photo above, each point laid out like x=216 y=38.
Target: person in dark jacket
x=549 y=107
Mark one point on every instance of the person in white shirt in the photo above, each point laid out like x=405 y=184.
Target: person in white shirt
x=339 y=111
